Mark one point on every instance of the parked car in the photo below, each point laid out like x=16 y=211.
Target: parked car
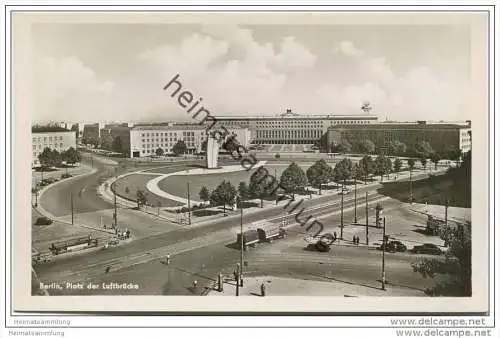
x=393 y=246
x=43 y=221
x=427 y=248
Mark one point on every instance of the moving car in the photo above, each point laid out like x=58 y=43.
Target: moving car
x=393 y=246
x=427 y=248
x=43 y=221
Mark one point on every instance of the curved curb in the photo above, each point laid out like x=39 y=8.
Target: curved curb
x=153 y=187
x=42 y=210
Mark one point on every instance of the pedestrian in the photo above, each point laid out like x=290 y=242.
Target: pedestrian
x=353 y=239
x=262 y=290
x=235 y=274
x=334 y=236
x=168 y=259
x=357 y=240
x=195 y=284
x=107 y=269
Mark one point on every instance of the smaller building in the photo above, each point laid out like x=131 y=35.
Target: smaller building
x=55 y=140
x=146 y=139
x=91 y=133
x=442 y=137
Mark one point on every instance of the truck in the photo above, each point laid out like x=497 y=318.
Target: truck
x=73 y=244
x=269 y=231
x=250 y=237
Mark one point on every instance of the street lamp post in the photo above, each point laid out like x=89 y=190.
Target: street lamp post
x=189 y=205
x=366 y=212
x=355 y=202
x=72 y=212
x=384 y=244
x=342 y=213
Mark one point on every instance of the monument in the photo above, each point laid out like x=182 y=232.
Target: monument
x=213 y=145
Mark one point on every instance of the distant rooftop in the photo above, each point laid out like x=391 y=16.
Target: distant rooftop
x=415 y=124
x=47 y=129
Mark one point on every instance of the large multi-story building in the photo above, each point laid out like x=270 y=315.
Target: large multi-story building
x=442 y=137
x=146 y=139
x=291 y=128
x=55 y=140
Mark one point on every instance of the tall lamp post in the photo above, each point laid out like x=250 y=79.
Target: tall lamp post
x=384 y=244
x=189 y=205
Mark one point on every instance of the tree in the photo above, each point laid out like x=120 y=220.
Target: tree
x=343 y=170
x=397 y=148
x=159 y=152
x=382 y=166
x=179 y=148
x=423 y=161
x=141 y=198
x=224 y=194
x=106 y=141
x=397 y=164
x=243 y=191
x=411 y=163
x=435 y=158
x=343 y=147
x=357 y=172
x=256 y=188
x=71 y=156
x=293 y=179
x=204 y=194
x=366 y=166
x=423 y=149
x=454 y=271
x=319 y=173
x=117 y=144
x=366 y=147
x=45 y=158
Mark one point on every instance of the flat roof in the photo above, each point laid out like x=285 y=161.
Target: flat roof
x=299 y=117
x=409 y=125
x=193 y=126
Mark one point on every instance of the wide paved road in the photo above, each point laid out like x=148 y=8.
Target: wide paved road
x=204 y=252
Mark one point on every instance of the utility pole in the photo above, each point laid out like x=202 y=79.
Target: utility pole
x=384 y=243
x=276 y=178
x=342 y=213
x=72 y=213
x=411 y=192
x=355 y=202
x=115 y=214
x=240 y=277
x=189 y=205
x=366 y=212
x=446 y=213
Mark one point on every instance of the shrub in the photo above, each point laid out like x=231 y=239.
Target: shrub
x=63 y=176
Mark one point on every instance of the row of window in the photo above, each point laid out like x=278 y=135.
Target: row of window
x=39 y=146
x=45 y=138
x=289 y=133
x=185 y=133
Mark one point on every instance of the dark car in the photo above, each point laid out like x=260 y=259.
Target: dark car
x=43 y=221
x=427 y=248
x=394 y=246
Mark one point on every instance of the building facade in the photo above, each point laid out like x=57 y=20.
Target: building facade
x=291 y=128
x=442 y=137
x=55 y=140
x=146 y=139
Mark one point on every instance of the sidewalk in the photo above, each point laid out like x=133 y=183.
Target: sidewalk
x=456 y=214
x=278 y=286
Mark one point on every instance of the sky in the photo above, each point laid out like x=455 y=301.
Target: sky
x=116 y=72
